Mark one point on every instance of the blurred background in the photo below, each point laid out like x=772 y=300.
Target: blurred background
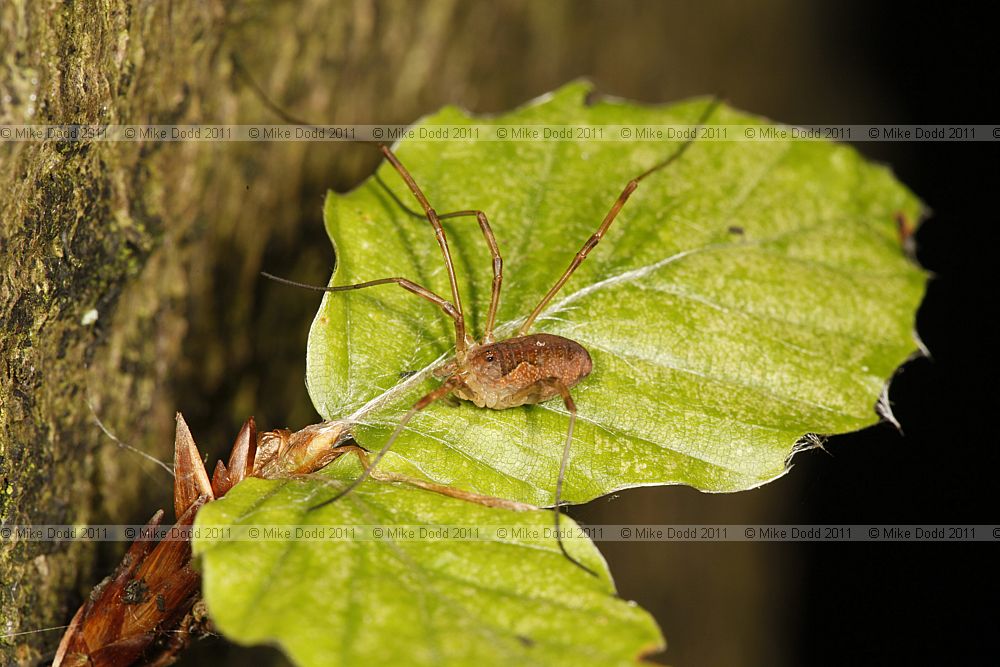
x=191 y=326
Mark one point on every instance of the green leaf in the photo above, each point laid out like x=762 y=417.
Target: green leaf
x=714 y=351
x=496 y=601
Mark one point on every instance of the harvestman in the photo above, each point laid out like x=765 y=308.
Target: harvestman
x=524 y=369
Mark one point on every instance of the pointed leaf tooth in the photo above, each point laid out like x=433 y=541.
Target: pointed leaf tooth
x=244 y=450
x=220 y=480
x=252 y=448
x=190 y=478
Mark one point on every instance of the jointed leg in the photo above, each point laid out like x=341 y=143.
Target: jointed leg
x=448 y=308
x=461 y=342
x=442 y=489
x=608 y=219
x=484 y=225
x=581 y=255
x=429 y=398
x=564 y=462
x=491 y=241
x=451 y=492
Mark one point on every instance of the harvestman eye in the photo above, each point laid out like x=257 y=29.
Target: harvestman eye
x=545 y=366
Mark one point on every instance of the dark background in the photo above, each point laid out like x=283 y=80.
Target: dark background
x=925 y=601
x=880 y=603
x=885 y=603
x=814 y=604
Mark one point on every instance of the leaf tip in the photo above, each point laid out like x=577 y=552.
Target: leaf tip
x=190 y=478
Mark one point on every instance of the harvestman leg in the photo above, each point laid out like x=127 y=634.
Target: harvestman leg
x=426 y=400
x=491 y=242
x=454 y=311
x=461 y=340
x=449 y=309
x=469 y=496
x=610 y=218
x=564 y=461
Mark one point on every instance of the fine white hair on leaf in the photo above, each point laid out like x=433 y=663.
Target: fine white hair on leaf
x=805 y=443
x=884 y=408
x=920 y=345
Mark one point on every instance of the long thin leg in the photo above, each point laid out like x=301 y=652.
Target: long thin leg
x=427 y=399
x=609 y=218
x=461 y=342
x=491 y=241
x=444 y=490
x=448 y=308
x=571 y=407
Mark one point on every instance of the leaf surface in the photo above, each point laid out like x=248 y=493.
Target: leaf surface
x=509 y=598
x=747 y=295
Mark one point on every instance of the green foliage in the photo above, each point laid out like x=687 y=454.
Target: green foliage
x=748 y=295
x=714 y=351
x=497 y=601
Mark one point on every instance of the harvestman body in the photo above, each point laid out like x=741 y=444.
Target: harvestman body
x=522 y=370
